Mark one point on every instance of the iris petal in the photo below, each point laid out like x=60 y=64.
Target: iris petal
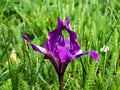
x=54 y=35
x=74 y=45
x=92 y=53
x=67 y=22
x=25 y=37
x=63 y=53
x=35 y=47
x=38 y=48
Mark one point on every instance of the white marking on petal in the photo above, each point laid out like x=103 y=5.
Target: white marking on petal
x=41 y=49
x=79 y=52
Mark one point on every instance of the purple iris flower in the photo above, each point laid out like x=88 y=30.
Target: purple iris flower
x=61 y=51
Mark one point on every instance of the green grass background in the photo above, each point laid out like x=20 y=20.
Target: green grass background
x=96 y=22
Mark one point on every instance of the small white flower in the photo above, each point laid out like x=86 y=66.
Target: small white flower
x=105 y=49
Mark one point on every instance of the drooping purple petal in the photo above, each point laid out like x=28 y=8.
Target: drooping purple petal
x=92 y=53
x=35 y=47
x=25 y=37
x=38 y=48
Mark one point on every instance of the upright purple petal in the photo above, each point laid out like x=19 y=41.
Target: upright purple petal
x=55 y=35
x=60 y=22
x=67 y=22
x=74 y=45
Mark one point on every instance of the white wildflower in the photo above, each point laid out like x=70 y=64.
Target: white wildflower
x=105 y=49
